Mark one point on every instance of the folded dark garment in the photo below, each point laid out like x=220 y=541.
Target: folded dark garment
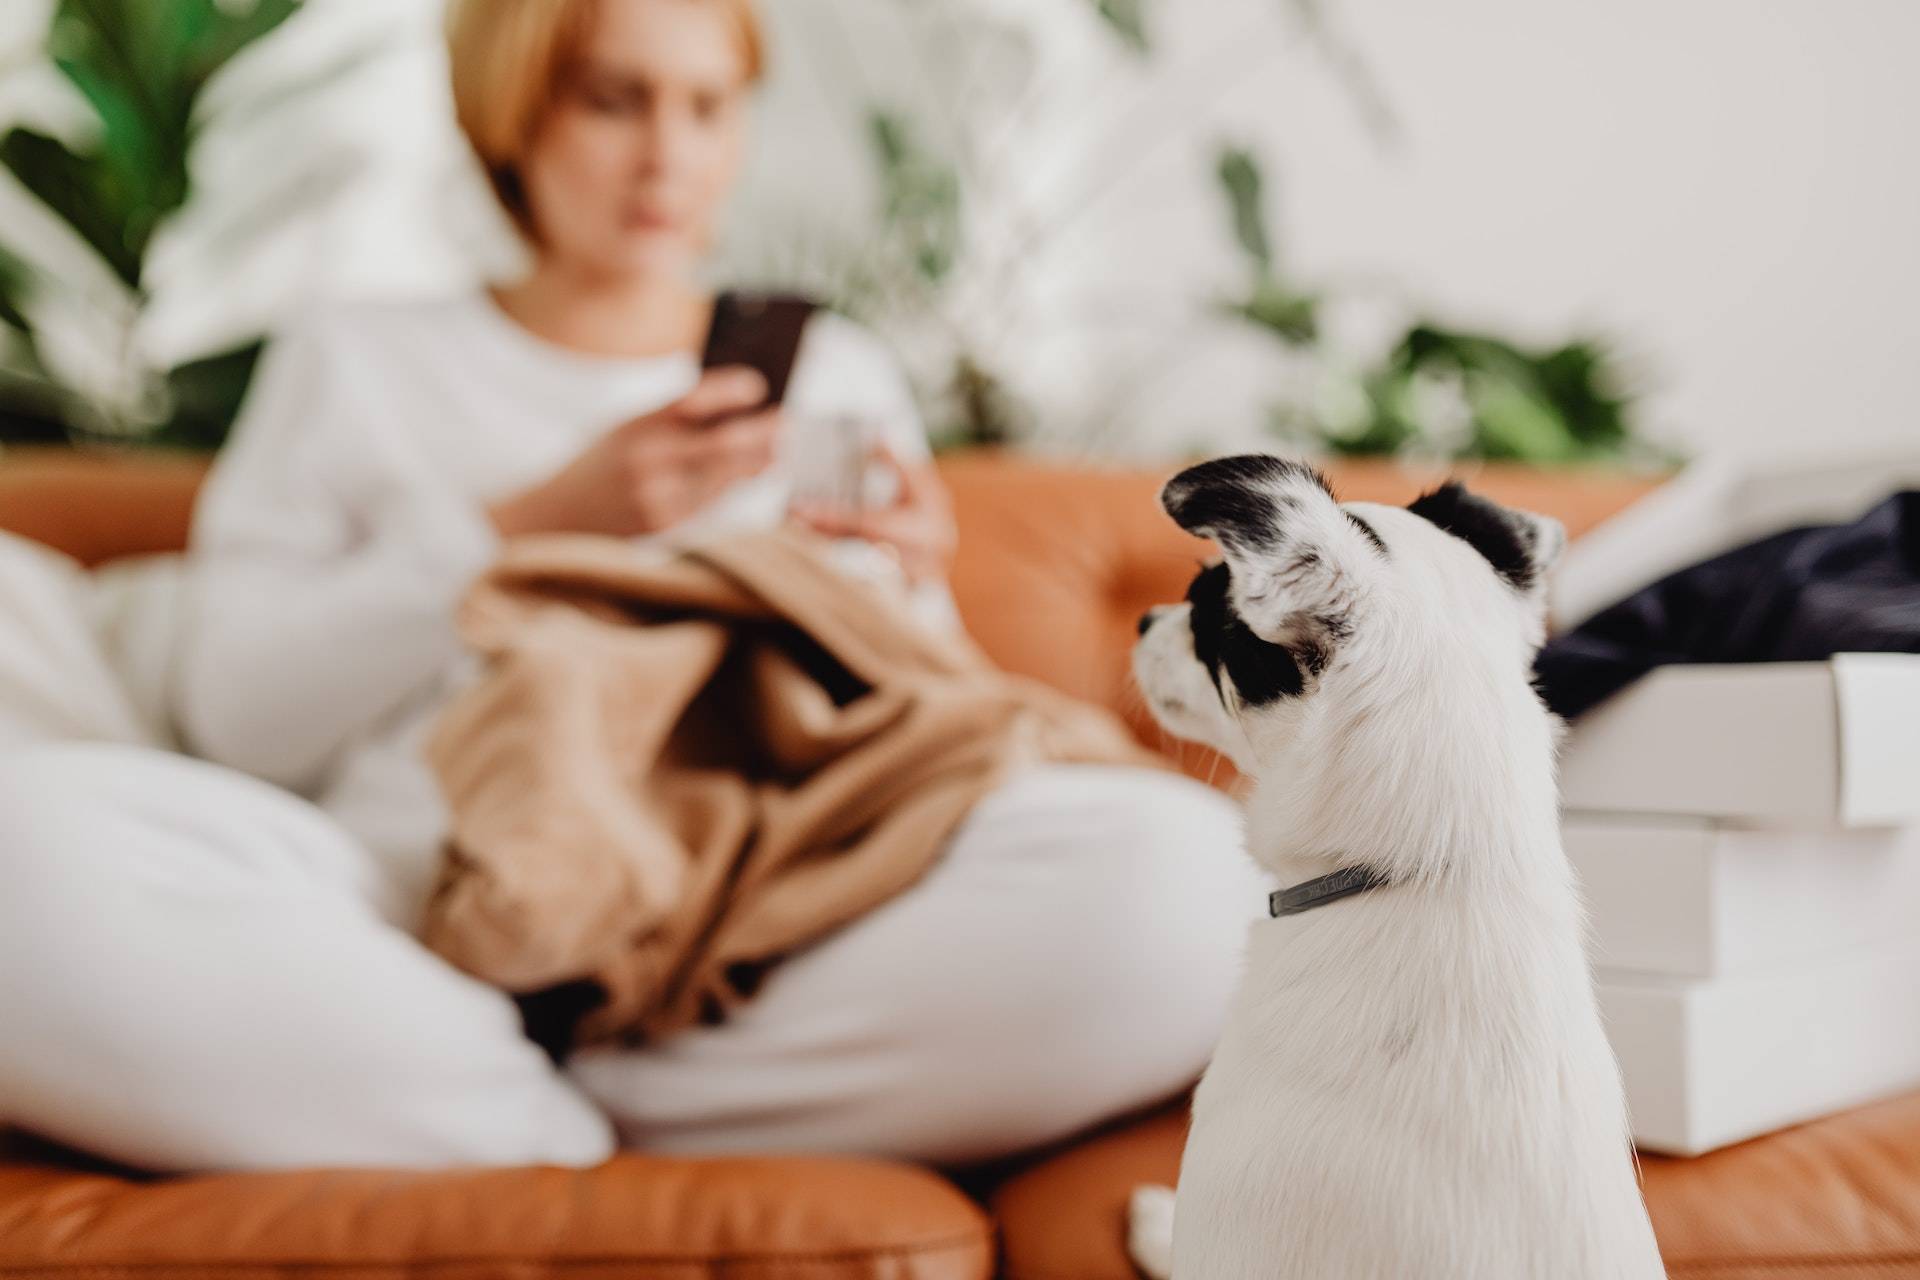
x=1799 y=596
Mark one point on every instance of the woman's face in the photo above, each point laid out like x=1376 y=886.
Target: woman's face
x=632 y=164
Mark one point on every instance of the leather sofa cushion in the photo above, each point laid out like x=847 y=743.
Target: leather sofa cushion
x=99 y=506
x=1838 y=1199
x=637 y=1218
x=1065 y=1218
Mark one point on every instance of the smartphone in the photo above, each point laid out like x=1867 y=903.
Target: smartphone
x=761 y=331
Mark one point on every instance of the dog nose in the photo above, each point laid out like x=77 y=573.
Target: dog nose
x=1146 y=621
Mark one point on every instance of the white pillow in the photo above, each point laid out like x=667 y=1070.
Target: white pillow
x=138 y=615
x=191 y=978
x=56 y=682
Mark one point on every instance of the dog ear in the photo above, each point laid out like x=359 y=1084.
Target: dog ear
x=1520 y=546
x=1297 y=560
x=1238 y=501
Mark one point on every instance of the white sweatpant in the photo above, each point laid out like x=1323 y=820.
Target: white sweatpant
x=193 y=976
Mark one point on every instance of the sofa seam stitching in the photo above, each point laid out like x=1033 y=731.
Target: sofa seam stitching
x=938 y=1244
x=1795 y=1260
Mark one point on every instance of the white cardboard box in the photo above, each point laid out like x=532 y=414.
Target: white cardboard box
x=1825 y=744
x=1697 y=898
x=1711 y=1063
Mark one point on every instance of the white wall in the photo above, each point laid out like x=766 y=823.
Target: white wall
x=1728 y=189
x=1732 y=188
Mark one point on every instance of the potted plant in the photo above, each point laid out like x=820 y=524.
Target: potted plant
x=71 y=365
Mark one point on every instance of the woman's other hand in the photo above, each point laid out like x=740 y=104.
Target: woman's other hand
x=655 y=471
x=917 y=525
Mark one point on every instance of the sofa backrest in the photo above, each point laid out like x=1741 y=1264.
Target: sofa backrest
x=98 y=506
x=1056 y=562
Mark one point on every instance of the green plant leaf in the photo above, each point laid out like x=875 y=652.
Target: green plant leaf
x=1292 y=317
x=193 y=22
x=1241 y=180
x=1549 y=407
x=1290 y=314
x=126 y=128
x=118 y=54
x=122 y=52
x=1512 y=424
x=1128 y=19
x=142 y=64
x=78 y=190
x=891 y=138
x=207 y=395
x=13 y=291
x=141 y=169
x=21 y=372
x=168 y=49
x=988 y=417
x=1582 y=378
x=920 y=196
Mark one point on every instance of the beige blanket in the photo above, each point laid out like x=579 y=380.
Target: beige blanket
x=673 y=772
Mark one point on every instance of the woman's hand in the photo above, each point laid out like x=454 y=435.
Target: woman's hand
x=917 y=526
x=655 y=471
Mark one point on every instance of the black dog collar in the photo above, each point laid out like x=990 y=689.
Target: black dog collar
x=1309 y=894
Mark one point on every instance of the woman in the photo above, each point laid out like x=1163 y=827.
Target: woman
x=1069 y=957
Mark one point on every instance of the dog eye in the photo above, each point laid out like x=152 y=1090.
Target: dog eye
x=1366 y=530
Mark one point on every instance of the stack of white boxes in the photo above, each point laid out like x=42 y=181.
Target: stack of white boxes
x=1748 y=839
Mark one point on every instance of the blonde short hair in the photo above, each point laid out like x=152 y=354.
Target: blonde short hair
x=507 y=57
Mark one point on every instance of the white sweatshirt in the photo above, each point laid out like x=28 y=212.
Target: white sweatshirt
x=345 y=519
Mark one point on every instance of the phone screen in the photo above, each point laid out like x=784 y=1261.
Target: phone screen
x=761 y=331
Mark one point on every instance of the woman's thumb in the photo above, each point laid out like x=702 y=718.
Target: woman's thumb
x=722 y=393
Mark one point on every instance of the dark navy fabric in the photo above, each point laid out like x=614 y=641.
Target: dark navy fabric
x=1799 y=596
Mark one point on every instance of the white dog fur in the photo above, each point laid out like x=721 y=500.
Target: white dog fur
x=1413 y=1083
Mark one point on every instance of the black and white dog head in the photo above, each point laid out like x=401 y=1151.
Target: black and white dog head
x=1323 y=618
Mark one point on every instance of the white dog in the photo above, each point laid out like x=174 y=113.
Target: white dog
x=1413 y=1083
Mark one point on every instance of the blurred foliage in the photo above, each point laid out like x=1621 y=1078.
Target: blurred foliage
x=205 y=396
x=13 y=277
x=910 y=269
x=920 y=196
x=1246 y=198
x=923 y=197
x=1128 y=18
x=141 y=65
x=1438 y=391
x=1497 y=400
x=1269 y=303
x=923 y=246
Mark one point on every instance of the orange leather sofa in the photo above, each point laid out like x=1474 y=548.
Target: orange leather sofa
x=1056 y=564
